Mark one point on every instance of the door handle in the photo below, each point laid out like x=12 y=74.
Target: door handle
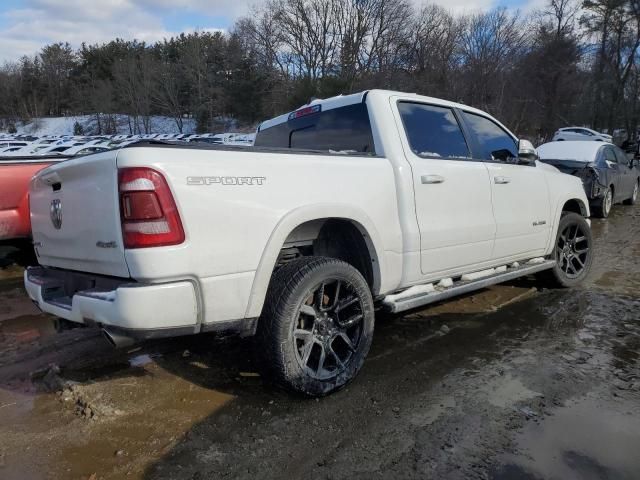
x=501 y=180
x=431 y=179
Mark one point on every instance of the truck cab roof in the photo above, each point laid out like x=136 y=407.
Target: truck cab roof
x=354 y=98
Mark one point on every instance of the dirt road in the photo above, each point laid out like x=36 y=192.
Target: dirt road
x=510 y=383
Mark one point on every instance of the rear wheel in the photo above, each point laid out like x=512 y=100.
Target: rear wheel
x=573 y=252
x=602 y=209
x=317 y=325
x=634 y=196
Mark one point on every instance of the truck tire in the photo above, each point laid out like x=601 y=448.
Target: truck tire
x=602 y=208
x=316 y=326
x=634 y=196
x=573 y=252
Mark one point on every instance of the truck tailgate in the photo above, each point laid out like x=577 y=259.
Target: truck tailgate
x=75 y=216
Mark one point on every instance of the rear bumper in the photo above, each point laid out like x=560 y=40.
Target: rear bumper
x=145 y=309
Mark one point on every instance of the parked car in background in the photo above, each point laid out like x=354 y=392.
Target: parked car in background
x=377 y=196
x=15 y=176
x=6 y=143
x=609 y=176
x=8 y=150
x=12 y=145
x=580 y=133
x=86 y=149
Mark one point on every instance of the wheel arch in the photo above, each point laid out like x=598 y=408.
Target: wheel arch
x=575 y=205
x=314 y=219
x=572 y=204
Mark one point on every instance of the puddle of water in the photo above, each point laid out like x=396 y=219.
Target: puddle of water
x=14 y=405
x=15 y=303
x=483 y=301
x=506 y=391
x=146 y=429
x=432 y=412
x=26 y=329
x=12 y=272
x=136 y=419
x=582 y=441
x=620 y=281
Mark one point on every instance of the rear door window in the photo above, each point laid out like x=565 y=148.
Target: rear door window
x=343 y=129
x=494 y=142
x=433 y=131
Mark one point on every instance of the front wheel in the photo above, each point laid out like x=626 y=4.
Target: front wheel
x=316 y=327
x=602 y=209
x=573 y=252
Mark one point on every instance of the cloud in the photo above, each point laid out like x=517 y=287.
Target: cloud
x=226 y=8
x=39 y=22
x=461 y=6
x=25 y=30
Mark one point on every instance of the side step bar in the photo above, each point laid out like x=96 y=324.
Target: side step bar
x=399 y=303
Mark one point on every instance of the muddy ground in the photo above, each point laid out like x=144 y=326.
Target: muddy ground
x=514 y=382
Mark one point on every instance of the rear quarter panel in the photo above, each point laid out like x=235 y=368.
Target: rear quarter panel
x=233 y=229
x=14 y=197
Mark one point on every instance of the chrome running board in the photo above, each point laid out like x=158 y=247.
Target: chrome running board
x=426 y=294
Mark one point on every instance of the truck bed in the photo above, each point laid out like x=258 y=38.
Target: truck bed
x=235 y=148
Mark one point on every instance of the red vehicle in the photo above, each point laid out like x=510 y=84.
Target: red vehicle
x=15 y=175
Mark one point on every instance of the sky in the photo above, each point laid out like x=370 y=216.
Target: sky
x=27 y=25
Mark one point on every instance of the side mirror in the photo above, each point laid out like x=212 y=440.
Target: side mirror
x=527 y=152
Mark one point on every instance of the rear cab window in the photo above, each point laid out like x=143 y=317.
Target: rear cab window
x=345 y=129
x=433 y=131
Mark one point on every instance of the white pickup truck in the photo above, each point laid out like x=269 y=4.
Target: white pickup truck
x=372 y=199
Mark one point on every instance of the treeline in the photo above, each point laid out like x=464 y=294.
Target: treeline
x=570 y=63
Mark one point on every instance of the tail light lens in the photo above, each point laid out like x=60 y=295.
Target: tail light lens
x=148 y=211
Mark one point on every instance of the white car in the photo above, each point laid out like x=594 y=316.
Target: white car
x=580 y=133
x=6 y=143
x=376 y=198
x=85 y=149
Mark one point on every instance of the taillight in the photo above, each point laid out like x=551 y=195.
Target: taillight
x=148 y=211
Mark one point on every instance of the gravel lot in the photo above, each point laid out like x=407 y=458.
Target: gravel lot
x=510 y=383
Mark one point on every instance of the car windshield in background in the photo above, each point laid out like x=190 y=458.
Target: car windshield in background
x=343 y=129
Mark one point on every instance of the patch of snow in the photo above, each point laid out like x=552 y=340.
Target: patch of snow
x=410 y=292
x=64 y=125
x=536 y=261
x=469 y=277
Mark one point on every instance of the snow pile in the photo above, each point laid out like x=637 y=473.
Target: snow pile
x=64 y=125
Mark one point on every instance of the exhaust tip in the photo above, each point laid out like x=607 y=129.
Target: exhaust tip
x=116 y=340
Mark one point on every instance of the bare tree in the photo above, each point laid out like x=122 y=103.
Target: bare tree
x=490 y=44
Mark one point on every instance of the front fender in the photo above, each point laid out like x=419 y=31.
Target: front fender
x=305 y=214
x=564 y=189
